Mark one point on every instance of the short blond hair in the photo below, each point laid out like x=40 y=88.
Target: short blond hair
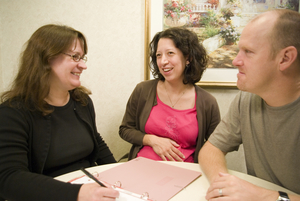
x=285 y=31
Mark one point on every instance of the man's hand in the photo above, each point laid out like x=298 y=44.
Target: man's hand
x=229 y=187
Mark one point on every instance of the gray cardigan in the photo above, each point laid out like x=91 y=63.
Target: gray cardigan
x=139 y=106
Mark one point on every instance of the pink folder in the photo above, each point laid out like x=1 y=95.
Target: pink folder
x=141 y=175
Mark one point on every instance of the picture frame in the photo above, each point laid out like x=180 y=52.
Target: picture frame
x=212 y=77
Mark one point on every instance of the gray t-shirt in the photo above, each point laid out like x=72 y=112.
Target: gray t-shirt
x=270 y=136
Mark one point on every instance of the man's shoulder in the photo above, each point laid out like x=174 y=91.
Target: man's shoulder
x=248 y=95
x=248 y=98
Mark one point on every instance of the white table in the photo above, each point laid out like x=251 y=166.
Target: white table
x=196 y=191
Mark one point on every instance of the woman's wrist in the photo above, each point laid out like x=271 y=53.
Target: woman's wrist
x=148 y=140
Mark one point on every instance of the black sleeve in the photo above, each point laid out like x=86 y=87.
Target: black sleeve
x=16 y=181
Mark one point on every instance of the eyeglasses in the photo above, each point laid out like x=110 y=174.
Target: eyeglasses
x=77 y=57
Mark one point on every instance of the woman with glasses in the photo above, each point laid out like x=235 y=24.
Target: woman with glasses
x=47 y=122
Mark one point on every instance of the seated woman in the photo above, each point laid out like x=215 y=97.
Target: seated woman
x=47 y=122
x=170 y=118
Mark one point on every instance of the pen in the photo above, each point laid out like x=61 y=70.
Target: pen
x=92 y=177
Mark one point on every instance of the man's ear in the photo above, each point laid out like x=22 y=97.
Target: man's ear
x=287 y=57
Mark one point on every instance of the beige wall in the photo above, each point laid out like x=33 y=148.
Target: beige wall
x=115 y=33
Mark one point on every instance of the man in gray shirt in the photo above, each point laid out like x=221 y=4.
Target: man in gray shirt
x=264 y=116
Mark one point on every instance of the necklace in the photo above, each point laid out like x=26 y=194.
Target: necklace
x=172 y=105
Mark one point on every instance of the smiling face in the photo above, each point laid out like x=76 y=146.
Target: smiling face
x=257 y=70
x=170 y=60
x=65 y=72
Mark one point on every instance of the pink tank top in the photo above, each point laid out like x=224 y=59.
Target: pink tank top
x=178 y=125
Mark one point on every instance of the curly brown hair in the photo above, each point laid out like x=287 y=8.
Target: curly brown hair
x=31 y=84
x=187 y=42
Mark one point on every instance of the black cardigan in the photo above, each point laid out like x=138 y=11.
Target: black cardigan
x=24 y=145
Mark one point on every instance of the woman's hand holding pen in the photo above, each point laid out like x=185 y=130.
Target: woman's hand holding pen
x=98 y=191
x=165 y=148
x=94 y=192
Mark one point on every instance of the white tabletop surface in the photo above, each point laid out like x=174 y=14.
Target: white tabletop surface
x=195 y=191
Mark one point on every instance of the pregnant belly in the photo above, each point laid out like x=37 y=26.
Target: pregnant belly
x=148 y=152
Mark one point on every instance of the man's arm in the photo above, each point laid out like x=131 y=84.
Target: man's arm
x=212 y=161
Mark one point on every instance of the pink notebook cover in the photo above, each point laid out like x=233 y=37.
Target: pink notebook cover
x=141 y=175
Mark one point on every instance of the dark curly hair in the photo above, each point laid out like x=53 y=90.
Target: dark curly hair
x=187 y=42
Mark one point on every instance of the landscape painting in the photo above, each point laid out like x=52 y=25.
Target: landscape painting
x=218 y=25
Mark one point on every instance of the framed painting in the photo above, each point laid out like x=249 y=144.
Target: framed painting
x=217 y=23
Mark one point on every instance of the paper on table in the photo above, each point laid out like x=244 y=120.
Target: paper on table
x=141 y=175
x=129 y=196
x=82 y=180
x=123 y=194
